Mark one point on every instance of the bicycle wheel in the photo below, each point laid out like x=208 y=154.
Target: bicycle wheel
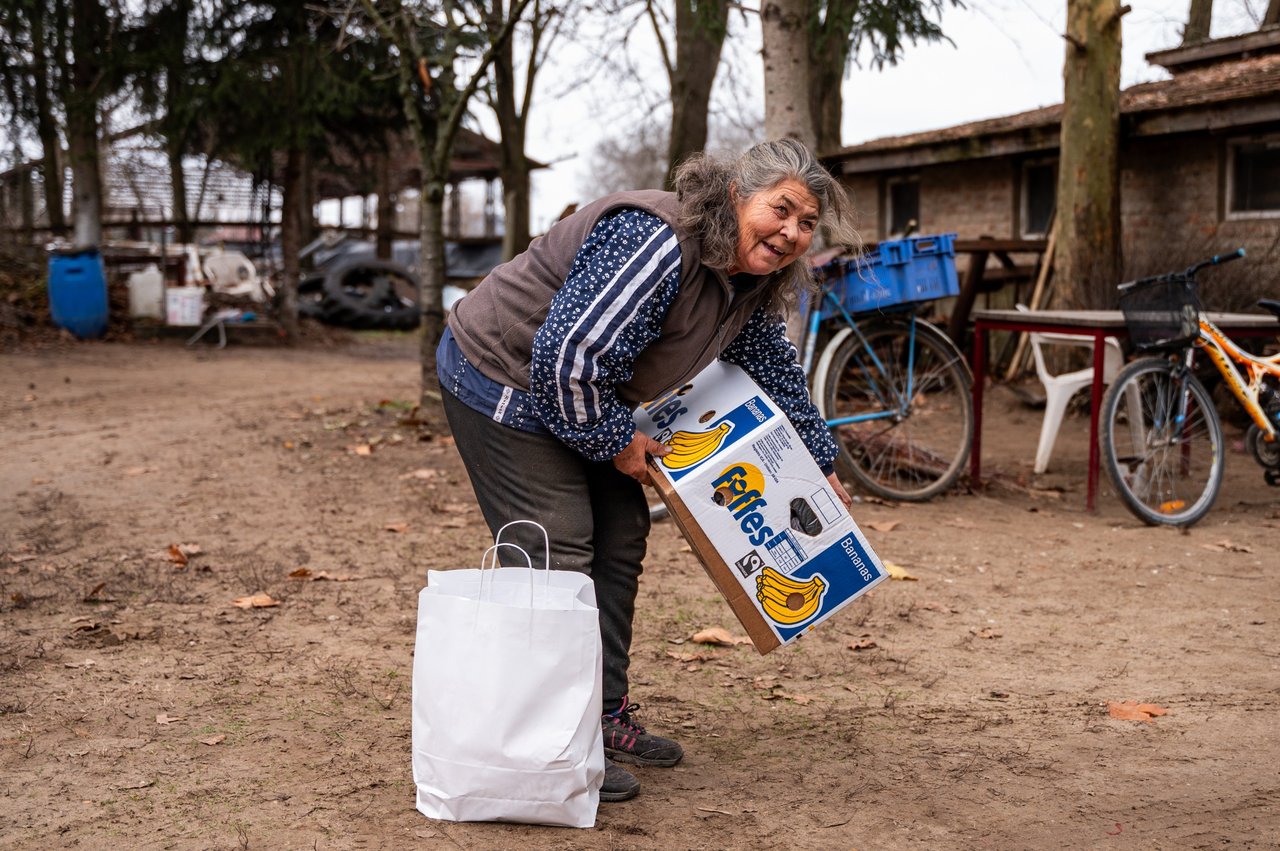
x=1161 y=442
x=912 y=411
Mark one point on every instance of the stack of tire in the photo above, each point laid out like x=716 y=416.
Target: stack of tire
x=363 y=295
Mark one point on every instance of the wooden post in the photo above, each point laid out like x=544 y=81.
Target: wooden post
x=1037 y=293
x=959 y=322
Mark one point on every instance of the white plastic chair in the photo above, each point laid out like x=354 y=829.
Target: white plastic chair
x=231 y=273
x=1060 y=388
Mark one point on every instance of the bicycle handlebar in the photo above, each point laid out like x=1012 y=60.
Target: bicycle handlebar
x=1190 y=271
x=1215 y=260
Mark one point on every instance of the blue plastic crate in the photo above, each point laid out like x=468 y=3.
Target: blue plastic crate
x=900 y=271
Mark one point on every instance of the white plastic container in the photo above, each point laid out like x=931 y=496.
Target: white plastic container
x=146 y=293
x=185 y=305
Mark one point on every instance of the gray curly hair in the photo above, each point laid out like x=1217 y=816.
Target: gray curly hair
x=709 y=189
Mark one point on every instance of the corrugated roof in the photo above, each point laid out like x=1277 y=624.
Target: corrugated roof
x=1252 y=79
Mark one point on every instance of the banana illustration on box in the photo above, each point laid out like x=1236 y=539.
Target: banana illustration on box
x=690 y=447
x=786 y=600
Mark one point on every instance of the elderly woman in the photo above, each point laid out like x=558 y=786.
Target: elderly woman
x=542 y=364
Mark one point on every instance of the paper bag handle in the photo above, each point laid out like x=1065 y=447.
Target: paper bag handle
x=489 y=561
x=546 y=541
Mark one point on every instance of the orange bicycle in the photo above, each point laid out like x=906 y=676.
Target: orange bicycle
x=1159 y=433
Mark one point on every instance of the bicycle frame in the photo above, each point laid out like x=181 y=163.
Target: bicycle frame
x=900 y=400
x=1248 y=387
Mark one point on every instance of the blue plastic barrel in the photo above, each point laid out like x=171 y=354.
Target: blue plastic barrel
x=78 y=292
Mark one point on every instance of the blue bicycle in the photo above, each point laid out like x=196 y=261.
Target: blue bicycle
x=894 y=389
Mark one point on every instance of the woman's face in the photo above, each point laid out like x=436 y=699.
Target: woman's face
x=775 y=227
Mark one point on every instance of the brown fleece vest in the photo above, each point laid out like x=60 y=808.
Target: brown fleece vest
x=495 y=324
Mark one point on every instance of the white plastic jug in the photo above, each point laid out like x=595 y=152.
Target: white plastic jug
x=146 y=293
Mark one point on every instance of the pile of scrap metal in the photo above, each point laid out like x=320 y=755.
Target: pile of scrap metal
x=352 y=288
x=363 y=294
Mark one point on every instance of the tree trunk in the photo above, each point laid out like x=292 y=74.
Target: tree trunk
x=178 y=186
x=831 y=42
x=1199 y=17
x=178 y=132
x=1088 y=220
x=307 y=209
x=290 y=233
x=1272 y=16
x=47 y=126
x=81 y=105
x=826 y=74
x=515 y=205
x=701 y=26
x=513 y=167
x=386 y=208
x=26 y=203
x=432 y=276
x=784 y=27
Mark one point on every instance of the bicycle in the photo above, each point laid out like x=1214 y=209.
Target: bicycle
x=892 y=387
x=1159 y=432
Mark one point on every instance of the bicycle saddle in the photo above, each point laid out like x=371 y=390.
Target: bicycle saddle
x=1271 y=305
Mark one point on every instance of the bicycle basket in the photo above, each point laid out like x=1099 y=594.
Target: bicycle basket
x=1161 y=312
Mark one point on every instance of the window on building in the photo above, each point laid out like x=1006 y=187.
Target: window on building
x=1253 y=178
x=1039 y=197
x=902 y=208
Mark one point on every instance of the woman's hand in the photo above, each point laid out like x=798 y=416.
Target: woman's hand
x=843 y=494
x=632 y=459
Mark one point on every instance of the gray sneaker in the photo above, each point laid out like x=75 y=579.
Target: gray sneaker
x=619 y=784
x=626 y=740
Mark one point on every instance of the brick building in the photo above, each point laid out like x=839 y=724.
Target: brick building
x=1200 y=170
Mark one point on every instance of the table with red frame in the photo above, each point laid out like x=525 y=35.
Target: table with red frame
x=1098 y=324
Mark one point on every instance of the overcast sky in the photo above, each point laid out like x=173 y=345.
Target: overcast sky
x=1006 y=58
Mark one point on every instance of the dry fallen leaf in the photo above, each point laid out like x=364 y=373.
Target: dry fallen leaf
x=1225 y=546
x=718 y=636
x=179 y=554
x=884 y=525
x=896 y=571
x=986 y=633
x=453 y=523
x=214 y=740
x=163 y=718
x=865 y=642
x=1128 y=710
x=424 y=473
x=802 y=699
x=935 y=606
x=396 y=527
x=254 y=601
x=363 y=449
x=309 y=575
x=703 y=656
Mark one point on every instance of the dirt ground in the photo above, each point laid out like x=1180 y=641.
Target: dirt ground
x=141 y=708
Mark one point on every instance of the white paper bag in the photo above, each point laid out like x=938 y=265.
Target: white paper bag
x=506 y=696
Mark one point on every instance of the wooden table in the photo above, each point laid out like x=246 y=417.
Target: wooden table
x=1098 y=324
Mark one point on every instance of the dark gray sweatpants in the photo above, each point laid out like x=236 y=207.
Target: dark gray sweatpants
x=596 y=518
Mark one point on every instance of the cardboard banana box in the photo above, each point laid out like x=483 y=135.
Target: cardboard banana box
x=755 y=508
